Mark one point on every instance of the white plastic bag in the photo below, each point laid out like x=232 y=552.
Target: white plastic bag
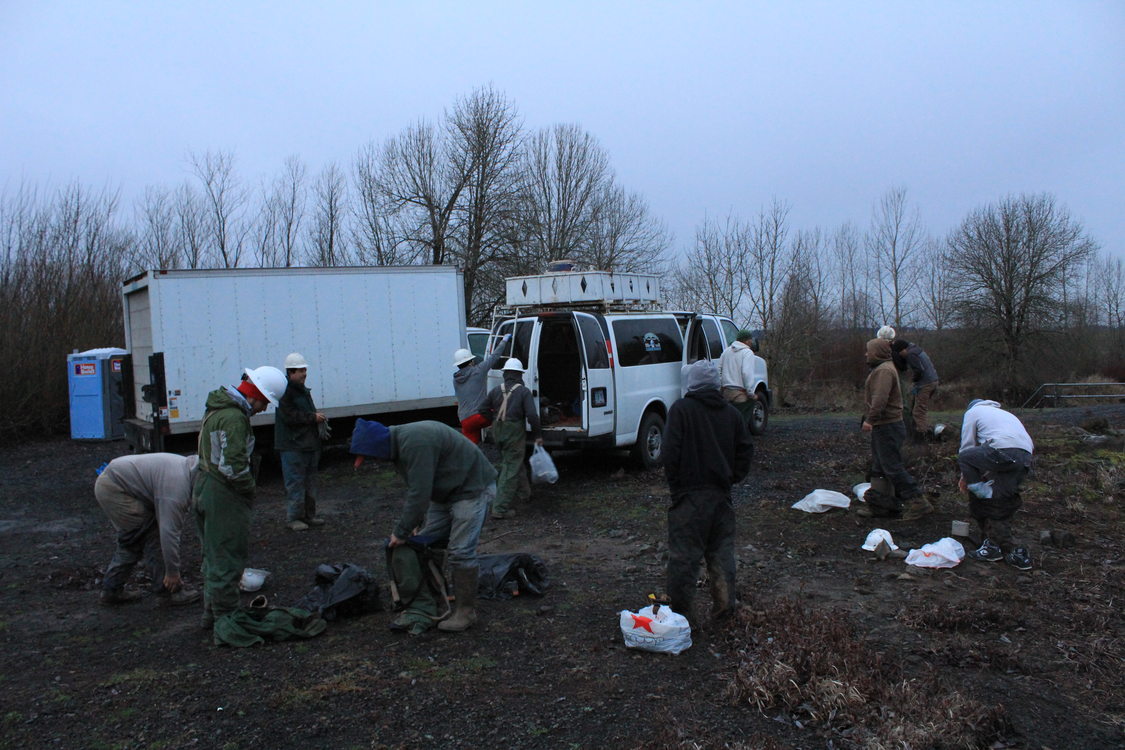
x=876 y=536
x=543 y=469
x=944 y=553
x=664 y=631
x=818 y=501
x=860 y=489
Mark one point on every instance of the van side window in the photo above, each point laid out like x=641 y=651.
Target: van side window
x=521 y=342
x=597 y=358
x=714 y=340
x=647 y=341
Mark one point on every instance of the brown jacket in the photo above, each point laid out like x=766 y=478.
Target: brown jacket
x=882 y=394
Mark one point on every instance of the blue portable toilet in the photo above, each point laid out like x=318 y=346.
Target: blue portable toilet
x=97 y=403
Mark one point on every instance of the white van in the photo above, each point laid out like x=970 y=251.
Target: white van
x=603 y=361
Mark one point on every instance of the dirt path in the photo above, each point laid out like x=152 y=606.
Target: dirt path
x=552 y=672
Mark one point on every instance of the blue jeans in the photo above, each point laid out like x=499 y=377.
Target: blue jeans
x=460 y=522
x=299 y=469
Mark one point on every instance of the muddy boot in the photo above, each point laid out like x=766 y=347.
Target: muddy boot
x=207 y=621
x=722 y=598
x=916 y=507
x=465 y=594
x=113 y=597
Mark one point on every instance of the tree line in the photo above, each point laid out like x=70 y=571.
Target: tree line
x=1018 y=289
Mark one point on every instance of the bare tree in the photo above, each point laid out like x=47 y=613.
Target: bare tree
x=326 y=243
x=767 y=264
x=894 y=243
x=225 y=200
x=374 y=237
x=191 y=225
x=936 y=294
x=712 y=277
x=484 y=135
x=157 y=242
x=626 y=237
x=420 y=182
x=856 y=308
x=282 y=215
x=1009 y=262
x=564 y=174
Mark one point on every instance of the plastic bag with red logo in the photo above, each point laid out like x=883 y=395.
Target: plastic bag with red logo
x=656 y=628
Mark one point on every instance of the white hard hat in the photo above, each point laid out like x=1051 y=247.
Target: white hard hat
x=270 y=381
x=295 y=362
x=461 y=356
x=514 y=365
x=886 y=332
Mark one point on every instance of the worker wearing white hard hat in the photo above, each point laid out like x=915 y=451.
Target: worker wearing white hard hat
x=511 y=407
x=298 y=431
x=224 y=489
x=469 y=382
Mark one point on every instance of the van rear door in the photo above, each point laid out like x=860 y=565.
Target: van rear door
x=599 y=399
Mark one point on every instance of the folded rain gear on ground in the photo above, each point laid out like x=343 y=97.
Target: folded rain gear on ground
x=249 y=627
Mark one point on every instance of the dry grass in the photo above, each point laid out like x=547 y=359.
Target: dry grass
x=813 y=666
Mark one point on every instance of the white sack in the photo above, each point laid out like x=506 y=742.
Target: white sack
x=876 y=536
x=944 y=553
x=664 y=632
x=818 y=501
x=543 y=469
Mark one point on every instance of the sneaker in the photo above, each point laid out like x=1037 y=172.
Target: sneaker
x=297 y=525
x=1018 y=559
x=501 y=515
x=987 y=552
x=184 y=596
x=120 y=596
x=315 y=521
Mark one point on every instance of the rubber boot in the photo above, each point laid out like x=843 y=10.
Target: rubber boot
x=465 y=595
x=722 y=598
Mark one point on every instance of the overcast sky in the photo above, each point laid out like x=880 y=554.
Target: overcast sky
x=704 y=107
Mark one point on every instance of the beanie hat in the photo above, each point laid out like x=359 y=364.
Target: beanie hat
x=899 y=344
x=370 y=438
x=250 y=391
x=743 y=334
x=700 y=375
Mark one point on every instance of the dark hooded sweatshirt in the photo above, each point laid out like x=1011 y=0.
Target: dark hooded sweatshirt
x=706 y=443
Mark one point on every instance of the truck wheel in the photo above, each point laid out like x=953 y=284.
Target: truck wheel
x=760 y=417
x=650 y=441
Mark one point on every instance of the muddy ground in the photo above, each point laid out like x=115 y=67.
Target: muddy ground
x=977 y=656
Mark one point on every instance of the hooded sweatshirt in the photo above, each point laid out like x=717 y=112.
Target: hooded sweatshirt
x=706 y=442
x=161 y=482
x=470 y=385
x=985 y=423
x=882 y=394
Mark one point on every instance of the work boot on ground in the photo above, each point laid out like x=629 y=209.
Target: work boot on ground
x=915 y=508
x=465 y=593
x=185 y=595
x=297 y=525
x=987 y=552
x=119 y=596
x=315 y=521
x=1019 y=559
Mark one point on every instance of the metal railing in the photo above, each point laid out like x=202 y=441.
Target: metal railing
x=1052 y=392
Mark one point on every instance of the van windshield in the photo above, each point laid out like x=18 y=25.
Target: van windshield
x=520 y=344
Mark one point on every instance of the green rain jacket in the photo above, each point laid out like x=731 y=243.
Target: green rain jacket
x=226 y=441
x=439 y=465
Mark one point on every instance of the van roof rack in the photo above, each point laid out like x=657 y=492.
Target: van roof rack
x=597 y=306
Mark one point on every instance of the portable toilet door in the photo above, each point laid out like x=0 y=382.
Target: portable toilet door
x=96 y=401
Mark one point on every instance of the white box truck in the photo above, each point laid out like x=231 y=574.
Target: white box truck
x=378 y=340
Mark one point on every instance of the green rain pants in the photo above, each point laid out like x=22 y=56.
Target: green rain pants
x=513 y=484
x=223 y=519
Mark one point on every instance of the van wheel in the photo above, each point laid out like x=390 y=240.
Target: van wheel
x=650 y=441
x=760 y=417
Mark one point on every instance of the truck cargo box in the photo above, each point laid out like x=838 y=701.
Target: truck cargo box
x=377 y=339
